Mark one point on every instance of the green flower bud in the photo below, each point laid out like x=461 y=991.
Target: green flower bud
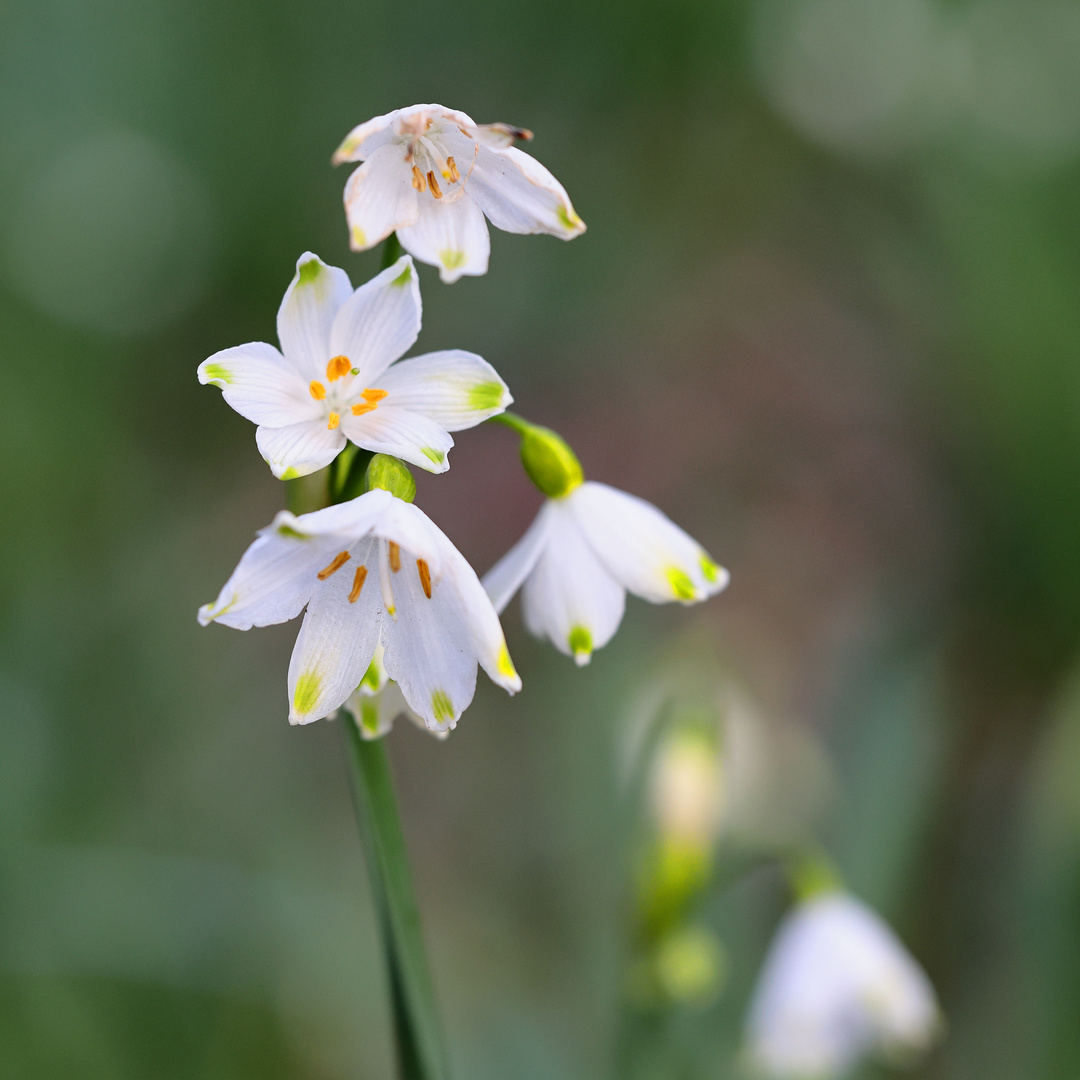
x=552 y=466
x=391 y=475
x=810 y=874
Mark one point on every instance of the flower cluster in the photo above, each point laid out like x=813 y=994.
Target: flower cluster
x=396 y=619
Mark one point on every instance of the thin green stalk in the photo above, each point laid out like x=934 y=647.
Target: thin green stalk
x=512 y=420
x=416 y=1026
x=391 y=252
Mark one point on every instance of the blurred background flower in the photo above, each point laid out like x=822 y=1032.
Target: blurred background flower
x=829 y=285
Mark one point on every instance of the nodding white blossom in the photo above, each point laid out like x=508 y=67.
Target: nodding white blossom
x=583 y=552
x=837 y=985
x=431 y=174
x=378 y=701
x=335 y=378
x=373 y=571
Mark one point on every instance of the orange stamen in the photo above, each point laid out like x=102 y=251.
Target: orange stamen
x=418 y=180
x=333 y=421
x=359 y=410
x=455 y=176
x=374 y=395
x=395 y=557
x=318 y=391
x=425 y=577
x=337 y=367
x=340 y=559
x=358 y=584
x=434 y=185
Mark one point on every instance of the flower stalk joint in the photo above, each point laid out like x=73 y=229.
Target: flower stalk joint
x=549 y=462
x=391 y=474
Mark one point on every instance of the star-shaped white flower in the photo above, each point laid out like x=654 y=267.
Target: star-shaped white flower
x=373 y=571
x=431 y=174
x=581 y=555
x=335 y=378
x=837 y=985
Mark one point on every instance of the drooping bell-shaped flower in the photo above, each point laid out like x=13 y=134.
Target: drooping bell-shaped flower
x=837 y=986
x=375 y=571
x=588 y=546
x=432 y=174
x=335 y=378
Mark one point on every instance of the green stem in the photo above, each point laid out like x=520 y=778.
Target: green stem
x=512 y=420
x=391 y=252
x=416 y=1027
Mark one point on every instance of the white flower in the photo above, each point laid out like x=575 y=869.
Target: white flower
x=583 y=552
x=837 y=985
x=431 y=174
x=373 y=571
x=333 y=378
x=378 y=701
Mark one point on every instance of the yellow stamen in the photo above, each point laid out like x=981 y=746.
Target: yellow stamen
x=418 y=180
x=318 y=391
x=359 y=410
x=333 y=421
x=340 y=559
x=434 y=184
x=455 y=176
x=337 y=367
x=358 y=584
x=395 y=556
x=425 y=577
x=374 y=395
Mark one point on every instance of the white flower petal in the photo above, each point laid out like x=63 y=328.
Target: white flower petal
x=509 y=573
x=379 y=197
x=311 y=301
x=410 y=528
x=337 y=640
x=449 y=233
x=299 y=449
x=260 y=384
x=837 y=984
x=366 y=138
x=404 y=434
x=375 y=715
x=274 y=579
x=519 y=195
x=456 y=389
x=570 y=597
x=428 y=648
x=645 y=551
x=348 y=520
x=379 y=322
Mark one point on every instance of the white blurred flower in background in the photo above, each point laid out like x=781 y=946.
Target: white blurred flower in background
x=837 y=986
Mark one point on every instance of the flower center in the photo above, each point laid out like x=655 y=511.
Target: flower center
x=430 y=165
x=340 y=368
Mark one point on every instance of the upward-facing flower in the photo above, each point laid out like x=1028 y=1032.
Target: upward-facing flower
x=587 y=547
x=335 y=377
x=431 y=174
x=373 y=571
x=837 y=985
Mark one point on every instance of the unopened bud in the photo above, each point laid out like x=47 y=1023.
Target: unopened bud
x=391 y=475
x=552 y=466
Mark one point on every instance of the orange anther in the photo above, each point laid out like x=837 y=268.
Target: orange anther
x=374 y=395
x=418 y=180
x=359 y=410
x=318 y=391
x=340 y=559
x=434 y=185
x=455 y=176
x=337 y=367
x=332 y=421
x=358 y=583
x=425 y=577
x=395 y=556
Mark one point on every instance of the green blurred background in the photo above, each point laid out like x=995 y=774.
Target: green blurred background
x=826 y=315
